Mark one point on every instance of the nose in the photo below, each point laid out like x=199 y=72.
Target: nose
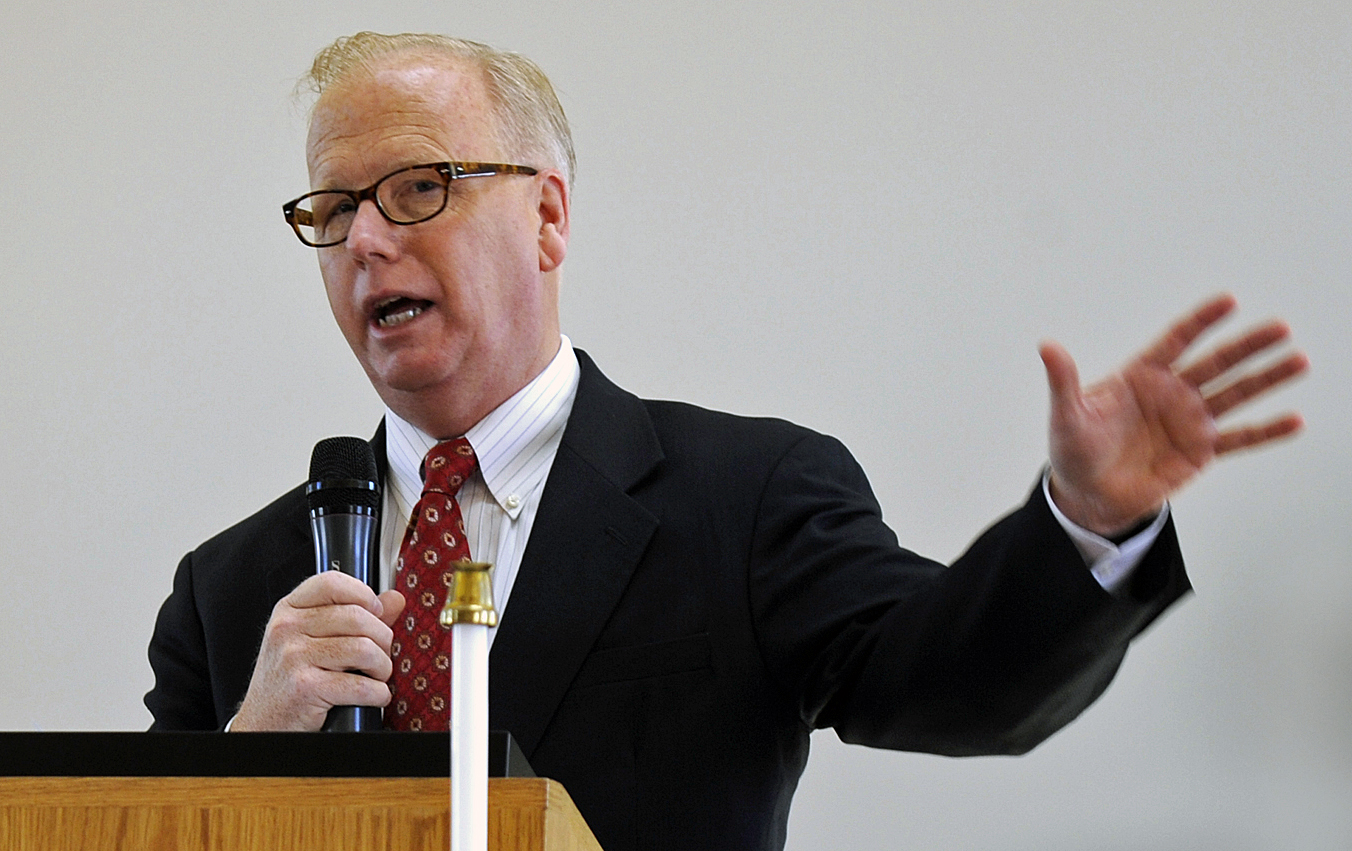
x=372 y=236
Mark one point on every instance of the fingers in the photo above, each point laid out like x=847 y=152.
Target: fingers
x=338 y=622
x=1216 y=363
x=344 y=688
x=1175 y=341
x=302 y=703
x=345 y=653
x=1223 y=358
x=333 y=604
x=1250 y=436
x=1252 y=386
x=319 y=635
x=334 y=588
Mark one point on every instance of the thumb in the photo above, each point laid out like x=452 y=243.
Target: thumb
x=392 y=604
x=1063 y=379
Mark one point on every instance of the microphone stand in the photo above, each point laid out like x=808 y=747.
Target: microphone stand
x=469 y=613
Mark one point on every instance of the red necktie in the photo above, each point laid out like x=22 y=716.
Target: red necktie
x=433 y=543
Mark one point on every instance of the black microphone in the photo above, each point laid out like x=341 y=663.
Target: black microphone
x=344 y=497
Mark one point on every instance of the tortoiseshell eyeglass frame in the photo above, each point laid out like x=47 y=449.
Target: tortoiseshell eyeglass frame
x=449 y=171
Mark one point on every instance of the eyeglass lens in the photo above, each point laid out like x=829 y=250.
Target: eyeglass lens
x=404 y=197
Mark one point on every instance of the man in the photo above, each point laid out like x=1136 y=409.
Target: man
x=685 y=594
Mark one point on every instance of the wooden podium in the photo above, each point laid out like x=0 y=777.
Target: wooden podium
x=133 y=794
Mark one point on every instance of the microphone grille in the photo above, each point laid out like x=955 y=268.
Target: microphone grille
x=343 y=472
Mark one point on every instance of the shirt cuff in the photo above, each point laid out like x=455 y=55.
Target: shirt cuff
x=1110 y=563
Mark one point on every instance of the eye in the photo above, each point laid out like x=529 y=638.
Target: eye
x=330 y=206
x=412 y=185
x=413 y=195
x=344 y=207
x=331 y=215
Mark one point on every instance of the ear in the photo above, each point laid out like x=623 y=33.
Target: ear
x=554 y=210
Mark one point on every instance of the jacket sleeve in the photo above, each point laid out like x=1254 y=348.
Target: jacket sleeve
x=181 y=698
x=209 y=629
x=990 y=655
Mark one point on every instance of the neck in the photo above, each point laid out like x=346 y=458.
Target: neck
x=447 y=412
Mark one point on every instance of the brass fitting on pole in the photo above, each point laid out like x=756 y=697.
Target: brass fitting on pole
x=471 y=596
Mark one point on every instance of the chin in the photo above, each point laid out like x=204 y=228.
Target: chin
x=405 y=375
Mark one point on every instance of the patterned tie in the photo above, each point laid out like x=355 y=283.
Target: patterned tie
x=433 y=542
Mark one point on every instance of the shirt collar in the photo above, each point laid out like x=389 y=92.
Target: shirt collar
x=505 y=440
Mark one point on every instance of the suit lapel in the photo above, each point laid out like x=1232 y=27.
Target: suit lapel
x=587 y=539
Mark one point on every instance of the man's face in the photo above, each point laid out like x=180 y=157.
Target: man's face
x=451 y=316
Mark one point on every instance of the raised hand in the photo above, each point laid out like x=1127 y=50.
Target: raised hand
x=1121 y=446
x=328 y=627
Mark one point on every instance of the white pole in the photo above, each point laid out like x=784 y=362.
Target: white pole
x=469 y=614
x=469 y=738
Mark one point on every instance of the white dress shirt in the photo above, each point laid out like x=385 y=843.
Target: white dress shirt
x=1110 y=563
x=516 y=444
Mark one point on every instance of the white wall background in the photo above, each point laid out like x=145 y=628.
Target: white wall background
x=861 y=216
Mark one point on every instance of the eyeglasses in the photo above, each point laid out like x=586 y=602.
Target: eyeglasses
x=404 y=197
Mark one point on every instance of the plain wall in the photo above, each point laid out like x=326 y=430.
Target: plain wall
x=859 y=216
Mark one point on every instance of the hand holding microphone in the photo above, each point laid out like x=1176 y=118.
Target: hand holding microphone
x=327 y=643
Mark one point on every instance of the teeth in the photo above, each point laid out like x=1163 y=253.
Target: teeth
x=399 y=317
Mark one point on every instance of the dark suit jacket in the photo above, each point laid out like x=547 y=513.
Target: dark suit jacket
x=699 y=592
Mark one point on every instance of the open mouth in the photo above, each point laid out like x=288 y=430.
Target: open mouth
x=397 y=310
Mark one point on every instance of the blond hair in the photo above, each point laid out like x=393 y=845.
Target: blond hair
x=530 y=120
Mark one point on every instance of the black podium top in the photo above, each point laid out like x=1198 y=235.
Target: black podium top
x=382 y=754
